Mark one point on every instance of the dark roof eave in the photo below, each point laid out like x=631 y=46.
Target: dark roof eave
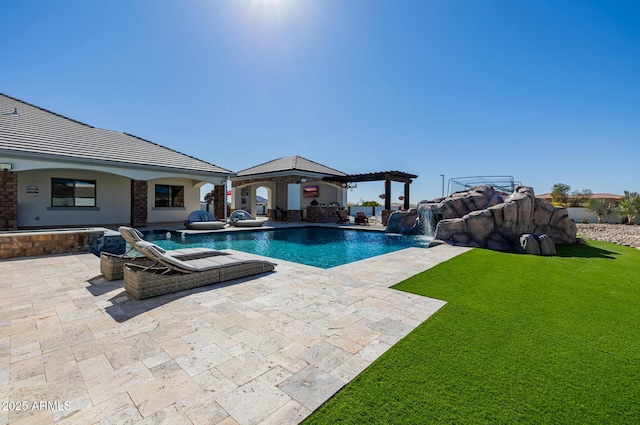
x=282 y=173
x=398 y=176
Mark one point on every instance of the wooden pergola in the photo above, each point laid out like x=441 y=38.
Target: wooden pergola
x=386 y=176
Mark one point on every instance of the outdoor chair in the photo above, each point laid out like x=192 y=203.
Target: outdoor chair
x=203 y=220
x=111 y=265
x=361 y=218
x=241 y=218
x=343 y=217
x=168 y=274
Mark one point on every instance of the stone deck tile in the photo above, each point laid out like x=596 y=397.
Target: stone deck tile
x=268 y=349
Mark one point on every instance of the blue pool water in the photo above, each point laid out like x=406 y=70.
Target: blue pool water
x=323 y=247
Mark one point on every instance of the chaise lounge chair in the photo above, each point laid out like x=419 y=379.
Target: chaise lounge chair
x=343 y=217
x=168 y=274
x=241 y=218
x=361 y=218
x=111 y=265
x=203 y=220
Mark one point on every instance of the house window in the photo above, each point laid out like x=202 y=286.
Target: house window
x=169 y=196
x=73 y=193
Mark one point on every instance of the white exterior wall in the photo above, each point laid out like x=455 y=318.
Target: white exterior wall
x=288 y=195
x=162 y=215
x=293 y=196
x=578 y=214
x=327 y=194
x=113 y=204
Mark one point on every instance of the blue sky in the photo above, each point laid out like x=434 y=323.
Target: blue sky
x=546 y=91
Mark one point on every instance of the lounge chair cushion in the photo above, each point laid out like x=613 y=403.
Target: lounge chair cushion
x=205 y=225
x=201 y=215
x=198 y=265
x=155 y=252
x=182 y=252
x=146 y=245
x=242 y=218
x=130 y=234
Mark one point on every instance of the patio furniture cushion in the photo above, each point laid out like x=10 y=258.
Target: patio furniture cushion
x=111 y=265
x=168 y=274
x=242 y=218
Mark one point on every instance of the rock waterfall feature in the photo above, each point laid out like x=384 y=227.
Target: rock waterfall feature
x=485 y=218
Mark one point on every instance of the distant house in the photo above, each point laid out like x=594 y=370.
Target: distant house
x=579 y=214
x=608 y=197
x=55 y=171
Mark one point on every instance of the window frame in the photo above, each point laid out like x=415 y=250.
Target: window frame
x=74 y=195
x=171 y=197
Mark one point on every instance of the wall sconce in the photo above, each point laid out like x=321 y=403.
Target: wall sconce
x=303 y=180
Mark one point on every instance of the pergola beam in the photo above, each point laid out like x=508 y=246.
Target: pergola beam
x=386 y=176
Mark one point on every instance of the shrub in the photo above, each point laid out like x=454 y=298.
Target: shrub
x=629 y=206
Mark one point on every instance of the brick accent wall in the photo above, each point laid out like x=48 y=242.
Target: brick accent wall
x=322 y=214
x=139 y=203
x=294 y=216
x=29 y=244
x=8 y=200
x=385 y=216
x=219 y=201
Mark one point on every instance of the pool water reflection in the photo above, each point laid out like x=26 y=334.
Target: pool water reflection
x=323 y=247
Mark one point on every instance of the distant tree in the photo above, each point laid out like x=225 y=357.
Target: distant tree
x=560 y=193
x=208 y=199
x=370 y=204
x=629 y=205
x=580 y=199
x=599 y=207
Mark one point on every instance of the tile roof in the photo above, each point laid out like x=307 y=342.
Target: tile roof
x=593 y=196
x=290 y=163
x=25 y=128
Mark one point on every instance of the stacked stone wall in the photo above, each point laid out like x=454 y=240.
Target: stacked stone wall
x=8 y=200
x=139 y=203
x=16 y=245
x=219 y=201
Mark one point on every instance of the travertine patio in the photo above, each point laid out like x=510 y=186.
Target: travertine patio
x=265 y=350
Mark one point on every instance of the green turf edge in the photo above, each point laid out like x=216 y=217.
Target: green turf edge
x=523 y=339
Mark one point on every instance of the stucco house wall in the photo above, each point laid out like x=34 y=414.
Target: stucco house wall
x=173 y=214
x=37 y=145
x=580 y=215
x=34 y=200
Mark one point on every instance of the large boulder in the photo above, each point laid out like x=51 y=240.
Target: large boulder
x=482 y=217
x=403 y=221
x=462 y=203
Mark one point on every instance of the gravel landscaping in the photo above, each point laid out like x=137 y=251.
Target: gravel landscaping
x=621 y=234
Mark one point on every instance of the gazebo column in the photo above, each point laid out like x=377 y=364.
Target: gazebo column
x=406 y=196
x=219 y=201
x=139 y=203
x=294 y=215
x=387 y=202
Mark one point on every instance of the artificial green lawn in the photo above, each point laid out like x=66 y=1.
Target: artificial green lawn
x=523 y=339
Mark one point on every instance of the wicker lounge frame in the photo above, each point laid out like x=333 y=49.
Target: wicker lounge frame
x=168 y=274
x=112 y=265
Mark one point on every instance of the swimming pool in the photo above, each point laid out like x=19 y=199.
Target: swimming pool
x=323 y=247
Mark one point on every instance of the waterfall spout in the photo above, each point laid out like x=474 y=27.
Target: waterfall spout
x=420 y=221
x=429 y=215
